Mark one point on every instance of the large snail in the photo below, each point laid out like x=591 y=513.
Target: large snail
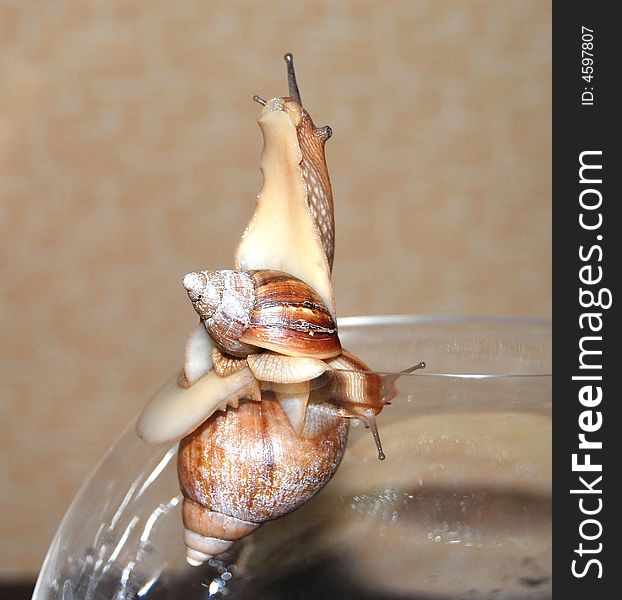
x=266 y=354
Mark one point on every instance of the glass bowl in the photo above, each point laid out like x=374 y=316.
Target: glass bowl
x=460 y=508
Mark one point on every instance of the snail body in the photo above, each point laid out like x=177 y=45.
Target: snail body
x=359 y=392
x=292 y=228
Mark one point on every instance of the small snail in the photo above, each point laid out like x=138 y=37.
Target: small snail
x=267 y=354
x=246 y=311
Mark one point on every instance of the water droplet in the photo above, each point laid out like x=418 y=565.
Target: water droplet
x=214 y=587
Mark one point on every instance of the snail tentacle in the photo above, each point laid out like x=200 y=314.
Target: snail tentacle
x=294 y=92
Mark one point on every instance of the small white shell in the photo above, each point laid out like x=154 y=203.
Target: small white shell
x=175 y=411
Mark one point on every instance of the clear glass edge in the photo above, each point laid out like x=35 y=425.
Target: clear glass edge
x=358 y=320
x=347 y=321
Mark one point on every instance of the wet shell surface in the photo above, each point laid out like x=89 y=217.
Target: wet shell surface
x=224 y=301
x=290 y=318
x=248 y=465
x=246 y=311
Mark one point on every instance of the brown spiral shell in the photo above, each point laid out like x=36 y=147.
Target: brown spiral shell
x=248 y=466
x=249 y=310
x=290 y=318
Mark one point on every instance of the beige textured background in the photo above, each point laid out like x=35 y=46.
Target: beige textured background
x=129 y=156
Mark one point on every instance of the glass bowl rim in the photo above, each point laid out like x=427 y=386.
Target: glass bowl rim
x=420 y=319
x=397 y=319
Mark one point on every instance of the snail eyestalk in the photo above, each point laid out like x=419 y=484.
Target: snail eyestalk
x=420 y=365
x=325 y=132
x=370 y=418
x=389 y=380
x=294 y=93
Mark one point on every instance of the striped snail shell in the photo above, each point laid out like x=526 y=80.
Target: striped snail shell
x=246 y=311
x=244 y=467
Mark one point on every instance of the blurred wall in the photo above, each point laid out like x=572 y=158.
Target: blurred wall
x=129 y=156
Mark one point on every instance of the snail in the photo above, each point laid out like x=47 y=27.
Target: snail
x=249 y=310
x=262 y=405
